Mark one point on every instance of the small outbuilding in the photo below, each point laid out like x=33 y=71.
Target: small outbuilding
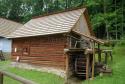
x=62 y=40
x=6 y=28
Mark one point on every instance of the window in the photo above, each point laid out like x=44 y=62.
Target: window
x=25 y=50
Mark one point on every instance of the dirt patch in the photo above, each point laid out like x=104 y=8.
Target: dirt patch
x=73 y=80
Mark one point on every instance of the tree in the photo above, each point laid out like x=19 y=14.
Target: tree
x=105 y=15
x=37 y=6
x=15 y=11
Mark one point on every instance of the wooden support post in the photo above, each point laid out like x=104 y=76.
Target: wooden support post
x=93 y=61
x=87 y=67
x=99 y=53
x=70 y=42
x=107 y=53
x=1 y=78
x=67 y=67
x=106 y=57
x=111 y=56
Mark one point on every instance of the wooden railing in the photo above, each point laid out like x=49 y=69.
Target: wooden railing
x=15 y=77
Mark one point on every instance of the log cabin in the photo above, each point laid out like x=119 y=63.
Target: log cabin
x=62 y=40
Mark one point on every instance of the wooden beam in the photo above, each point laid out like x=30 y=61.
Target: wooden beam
x=106 y=57
x=70 y=42
x=99 y=53
x=67 y=66
x=87 y=67
x=88 y=22
x=93 y=61
x=1 y=78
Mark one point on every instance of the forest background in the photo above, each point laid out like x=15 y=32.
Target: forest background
x=107 y=16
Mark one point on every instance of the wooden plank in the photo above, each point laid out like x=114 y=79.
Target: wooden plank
x=47 y=47
x=67 y=66
x=88 y=22
x=49 y=64
x=57 y=60
x=44 y=55
x=44 y=58
x=93 y=62
x=111 y=56
x=24 y=61
x=41 y=61
x=1 y=78
x=90 y=37
x=99 y=53
x=87 y=67
x=56 y=67
x=106 y=57
x=45 y=64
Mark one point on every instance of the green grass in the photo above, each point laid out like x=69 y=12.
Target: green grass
x=36 y=76
x=118 y=67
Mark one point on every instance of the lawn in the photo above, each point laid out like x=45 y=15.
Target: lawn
x=118 y=66
x=36 y=76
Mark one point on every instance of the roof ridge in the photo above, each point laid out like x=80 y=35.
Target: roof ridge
x=57 y=12
x=11 y=20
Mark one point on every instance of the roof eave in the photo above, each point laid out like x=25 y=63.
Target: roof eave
x=36 y=35
x=94 y=39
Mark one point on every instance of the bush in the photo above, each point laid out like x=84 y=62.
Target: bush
x=110 y=44
x=122 y=42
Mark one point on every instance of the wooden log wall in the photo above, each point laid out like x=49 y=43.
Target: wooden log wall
x=43 y=51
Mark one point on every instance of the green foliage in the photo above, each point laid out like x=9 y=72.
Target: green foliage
x=104 y=14
x=109 y=15
x=97 y=20
x=122 y=42
x=38 y=77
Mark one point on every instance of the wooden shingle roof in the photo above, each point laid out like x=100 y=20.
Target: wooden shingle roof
x=51 y=24
x=8 y=26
